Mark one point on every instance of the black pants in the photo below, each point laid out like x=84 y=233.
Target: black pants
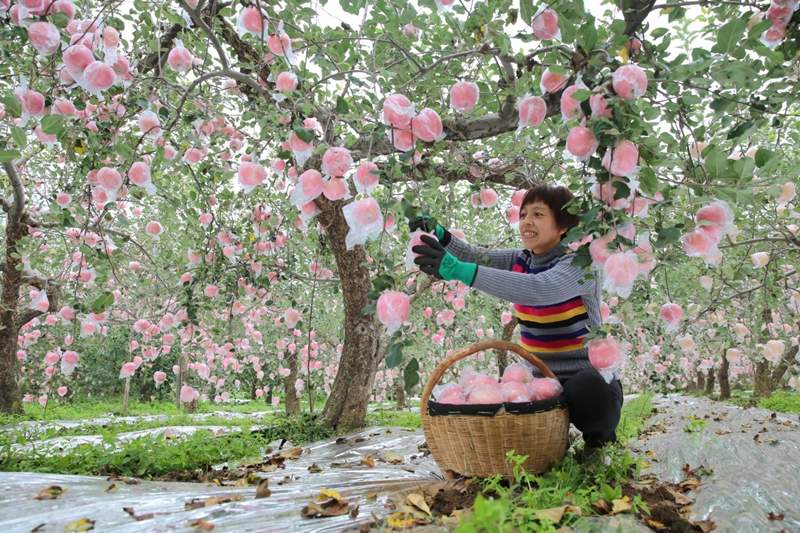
x=594 y=405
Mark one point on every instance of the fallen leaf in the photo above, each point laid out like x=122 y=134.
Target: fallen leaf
x=201 y=524
x=368 y=460
x=654 y=524
x=38 y=528
x=418 y=500
x=555 y=514
x=262 y=491
x=111 y=488
x=126 y=480
x=285 y=480
x=602 y=506
x=199 y=503
x=679 y=498
x=50 y=493
x=329 y=507
x=341 y=440
x=775 y=516
x=315 y=468
x=705 y=525
x=292 y=453
x=401 y=520
x=621 y=505
x=353 y=511
x=689 y=484
x=372 y=496
x=325 y=494
x=393 y=458
x=138 y=517
x=81 y=524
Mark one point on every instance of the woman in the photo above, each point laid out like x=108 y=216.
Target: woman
x=555 y=302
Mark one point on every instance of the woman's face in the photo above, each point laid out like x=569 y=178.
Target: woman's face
x=537 y=227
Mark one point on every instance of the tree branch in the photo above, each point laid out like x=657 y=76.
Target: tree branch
x=18 y=208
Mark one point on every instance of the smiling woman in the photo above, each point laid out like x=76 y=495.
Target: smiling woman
x=555 y=302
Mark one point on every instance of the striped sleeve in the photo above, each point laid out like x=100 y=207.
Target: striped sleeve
x=557 y=284
x=501 y=259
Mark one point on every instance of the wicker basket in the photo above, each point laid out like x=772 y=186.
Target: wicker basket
x=474 y=445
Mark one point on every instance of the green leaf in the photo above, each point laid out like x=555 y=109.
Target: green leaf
x=729 y=36
x=526 y=11
x=676 y=13
x=581 y=94
x=411 y=374
x=18 y=134
x=125 y=151
x=759 y=28
x=667 y=236
x=763 y=155
x=658 y=32
x=352 y=6
x=740 y=129
x=59 y=19
x=587 y=35
x=394 y=355
x=305 y=135
x=53 y=124
x=12 y=105
x=6 y=156
x=342 y=106
x=102 y=302
x=648 y=181
x=715 y=162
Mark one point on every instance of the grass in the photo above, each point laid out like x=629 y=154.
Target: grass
x=784 y=401
x=95 y=408
x=151 y=457
x=513 y=506
x=404 y=419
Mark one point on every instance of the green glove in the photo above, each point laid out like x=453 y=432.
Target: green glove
x=439 y=263
x=425 y=223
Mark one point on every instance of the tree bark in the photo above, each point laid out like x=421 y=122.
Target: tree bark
x=710 y=382
x=12 y=280
x=701 y=381
x=346 y=407
x=291 y=402
x=502 y=355
x=780 y=370
x=724 y=381
x=399 y=392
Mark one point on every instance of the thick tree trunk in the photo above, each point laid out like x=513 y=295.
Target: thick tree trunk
x=346 y=407
x=502 y=355
x=780 y=370
x=12 y=280
x=291 y=401
x=762 y=380
x=710 y=382
x=724 y=381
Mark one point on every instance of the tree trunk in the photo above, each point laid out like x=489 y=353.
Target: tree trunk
x=12 y=280
x=346 y=407
x=291 y=401
x=399 y=392
x=761 y=380
x=724 y=381
x=710 y=382
x=502 y=355
x=780 y=370
x=181 y=380
x=701 y=381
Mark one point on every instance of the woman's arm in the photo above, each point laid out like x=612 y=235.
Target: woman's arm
x=501 y=259
x=557 y=284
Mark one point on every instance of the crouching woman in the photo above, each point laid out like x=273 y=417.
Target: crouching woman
x=555 y=302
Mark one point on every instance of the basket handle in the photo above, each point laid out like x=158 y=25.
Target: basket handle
x=439 y=371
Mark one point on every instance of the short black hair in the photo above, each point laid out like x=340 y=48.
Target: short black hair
x=555 y=197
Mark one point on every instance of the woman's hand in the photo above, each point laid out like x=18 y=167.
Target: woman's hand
x=435 y=261
x=428 y=224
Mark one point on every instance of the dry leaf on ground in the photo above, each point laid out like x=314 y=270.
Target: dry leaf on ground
x=50 y=493
x=199 y=503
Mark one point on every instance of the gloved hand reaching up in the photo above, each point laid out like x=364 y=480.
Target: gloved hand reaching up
x=435 y=261
x=428 y=224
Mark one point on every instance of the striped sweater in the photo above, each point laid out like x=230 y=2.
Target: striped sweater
x=555 y=302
